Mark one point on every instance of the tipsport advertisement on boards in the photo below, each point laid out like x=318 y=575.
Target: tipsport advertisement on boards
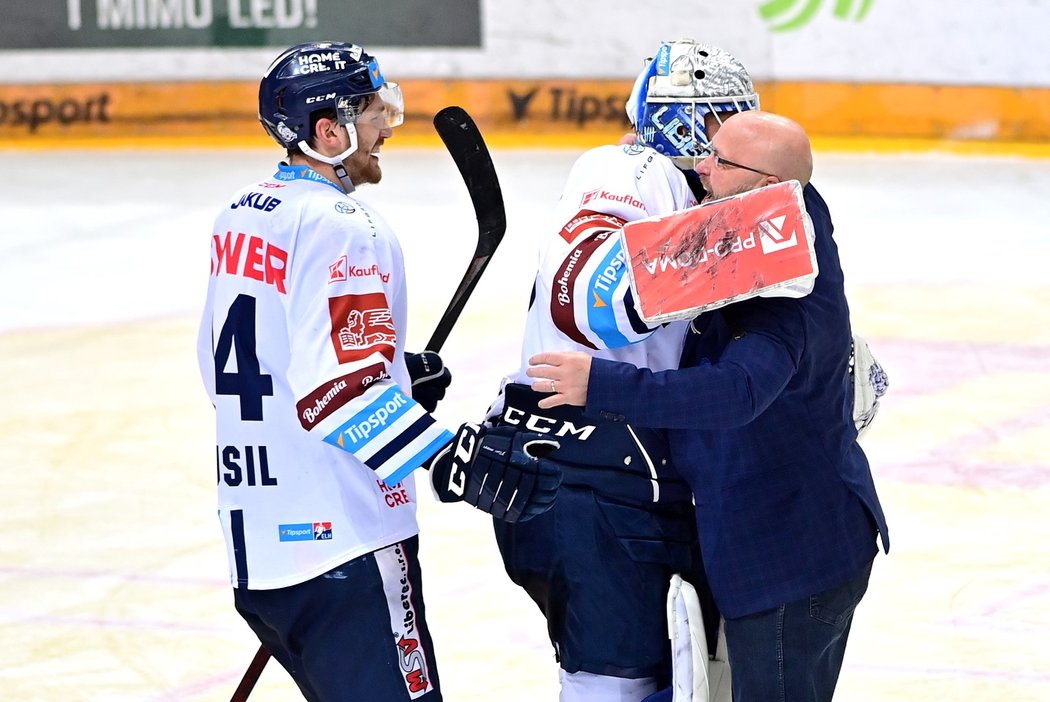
x=32 y=112
x=86 y=24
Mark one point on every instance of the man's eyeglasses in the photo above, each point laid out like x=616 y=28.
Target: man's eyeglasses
x=720 y=162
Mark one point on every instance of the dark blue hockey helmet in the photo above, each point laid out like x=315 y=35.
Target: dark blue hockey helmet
x=321 y=76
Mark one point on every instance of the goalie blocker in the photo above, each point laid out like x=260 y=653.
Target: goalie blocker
x=759 y=243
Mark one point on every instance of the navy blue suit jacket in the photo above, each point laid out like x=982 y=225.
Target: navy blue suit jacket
x=759 y=419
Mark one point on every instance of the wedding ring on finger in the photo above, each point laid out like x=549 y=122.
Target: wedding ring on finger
x=553 y=389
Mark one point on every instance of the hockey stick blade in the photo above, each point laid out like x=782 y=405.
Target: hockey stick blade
x=467 y=147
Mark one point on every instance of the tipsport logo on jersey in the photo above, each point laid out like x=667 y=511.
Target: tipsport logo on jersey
x=361 y=326
x=308 y=531
x=382 y=413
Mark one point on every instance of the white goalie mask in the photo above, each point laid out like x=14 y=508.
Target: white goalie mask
x=683 y=83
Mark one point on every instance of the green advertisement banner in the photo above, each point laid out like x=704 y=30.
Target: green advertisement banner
x=71 y=24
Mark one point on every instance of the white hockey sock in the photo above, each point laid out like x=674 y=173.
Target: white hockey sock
x=588 y=687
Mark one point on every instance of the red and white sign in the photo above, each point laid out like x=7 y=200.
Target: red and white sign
x=756 y=243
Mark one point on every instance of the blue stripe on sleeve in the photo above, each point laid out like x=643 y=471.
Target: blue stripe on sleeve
x=601 y=308
x=399 y=441
x=419 y=459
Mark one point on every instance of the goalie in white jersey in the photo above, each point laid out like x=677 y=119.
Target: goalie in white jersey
x=599 y=562
x=318 y=434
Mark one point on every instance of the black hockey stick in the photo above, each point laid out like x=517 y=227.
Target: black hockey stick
x=467 y=148
x=251 y=676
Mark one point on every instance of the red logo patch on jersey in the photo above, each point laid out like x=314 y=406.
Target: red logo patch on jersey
x=344 y=270
x=337 y=271
x=587 y=220
x=328 y=398
x=322 y=531
x=362 y=325
x=600 y=194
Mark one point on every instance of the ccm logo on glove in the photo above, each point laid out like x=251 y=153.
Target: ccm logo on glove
x=466 y=443
x=501 y=471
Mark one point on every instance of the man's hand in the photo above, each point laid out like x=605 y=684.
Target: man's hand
x=429 y=377
x=501 y=471
x=563 y=375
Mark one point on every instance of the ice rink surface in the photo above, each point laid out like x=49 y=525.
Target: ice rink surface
x=112 y=570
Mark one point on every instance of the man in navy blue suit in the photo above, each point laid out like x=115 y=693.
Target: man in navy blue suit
x=760 y=421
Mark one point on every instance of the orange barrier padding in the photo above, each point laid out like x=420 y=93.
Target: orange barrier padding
x=519 y=112
x=914 y=111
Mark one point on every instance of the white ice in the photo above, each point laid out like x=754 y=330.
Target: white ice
x=946 y=266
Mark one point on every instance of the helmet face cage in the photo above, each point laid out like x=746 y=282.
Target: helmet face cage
x=677 y=89
x=678 y=129
x=320 y=76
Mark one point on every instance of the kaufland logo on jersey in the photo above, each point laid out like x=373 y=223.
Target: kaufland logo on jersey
x=773 y=237
x=343 y=270
x=600 y=194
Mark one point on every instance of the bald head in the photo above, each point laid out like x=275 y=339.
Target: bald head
x=771 y=142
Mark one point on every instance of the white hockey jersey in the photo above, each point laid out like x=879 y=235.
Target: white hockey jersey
x=301 y=350
x=582 y=297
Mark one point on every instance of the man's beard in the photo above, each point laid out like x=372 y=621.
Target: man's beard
x=369 y=172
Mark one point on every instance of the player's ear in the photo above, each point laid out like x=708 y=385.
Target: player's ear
x=326 y=130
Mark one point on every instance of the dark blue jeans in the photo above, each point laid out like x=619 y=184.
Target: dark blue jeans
x=794 y=653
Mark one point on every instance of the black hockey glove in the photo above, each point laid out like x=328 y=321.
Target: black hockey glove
x=501 y=471
x=429 y=378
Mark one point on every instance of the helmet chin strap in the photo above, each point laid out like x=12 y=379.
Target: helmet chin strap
x=336 y=162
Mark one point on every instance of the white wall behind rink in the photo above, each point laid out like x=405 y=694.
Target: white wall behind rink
x=963 y=42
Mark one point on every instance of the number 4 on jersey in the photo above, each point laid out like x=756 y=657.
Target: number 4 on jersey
x=247 y=382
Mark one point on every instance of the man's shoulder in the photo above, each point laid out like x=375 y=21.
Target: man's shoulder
x=815 y=203
x=629 y=155
x=636 y=180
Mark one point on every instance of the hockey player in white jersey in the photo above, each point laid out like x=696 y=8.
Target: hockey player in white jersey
x=301 y=349
x=599 y=562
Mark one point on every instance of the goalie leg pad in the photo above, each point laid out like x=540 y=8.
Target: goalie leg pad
x=870 y=383
x=697 y=676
